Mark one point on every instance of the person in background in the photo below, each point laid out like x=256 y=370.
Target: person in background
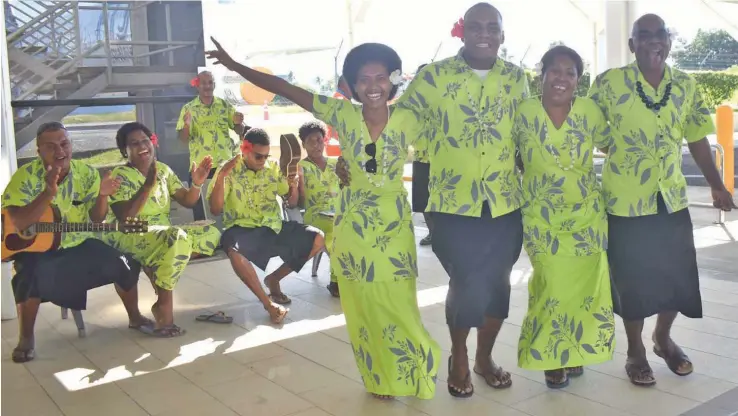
x=565 y=226
x=147 y=189
x=205 y=124
x=652 y=108
x=421 y=173
x=245 y=190
x=319 y=186
x=82 y=262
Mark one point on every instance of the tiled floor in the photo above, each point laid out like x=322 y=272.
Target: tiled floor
x=306 y=368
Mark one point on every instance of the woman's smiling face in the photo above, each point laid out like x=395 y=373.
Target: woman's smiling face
x=373 y=86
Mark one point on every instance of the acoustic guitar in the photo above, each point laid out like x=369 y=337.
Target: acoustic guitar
x=46 y=234
x=290 y=154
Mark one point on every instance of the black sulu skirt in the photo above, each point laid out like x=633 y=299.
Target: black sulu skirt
x=653 y=263
x=420 y=194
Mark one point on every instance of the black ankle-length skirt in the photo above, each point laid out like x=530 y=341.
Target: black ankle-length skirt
x=653 y=264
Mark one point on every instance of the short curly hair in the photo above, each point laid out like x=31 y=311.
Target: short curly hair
x=311 y=127
x=561 y=50
x=368 y=53
x=121 y=137
x=257 y=136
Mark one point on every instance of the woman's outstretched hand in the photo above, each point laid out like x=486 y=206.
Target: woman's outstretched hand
x=220 y=56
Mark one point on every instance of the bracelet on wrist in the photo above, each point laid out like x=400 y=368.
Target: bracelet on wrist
x=194 y=185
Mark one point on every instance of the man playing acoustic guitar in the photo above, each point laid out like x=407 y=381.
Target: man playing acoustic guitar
x=63 y=277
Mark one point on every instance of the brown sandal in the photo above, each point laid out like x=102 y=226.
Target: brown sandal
x=674 y=359
x=639 y=372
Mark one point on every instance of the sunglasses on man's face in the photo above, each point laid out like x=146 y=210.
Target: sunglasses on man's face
x=371 y=164
x=260 y=156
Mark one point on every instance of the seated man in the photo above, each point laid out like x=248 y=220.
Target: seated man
x=245 y=190
x=319 y=186
x=64 y=276
x=147 y=189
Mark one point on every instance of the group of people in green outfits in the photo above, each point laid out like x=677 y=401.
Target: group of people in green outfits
x=507 y=171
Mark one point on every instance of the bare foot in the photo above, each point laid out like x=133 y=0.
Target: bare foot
x=277 y=313
x=24 y=352
x=459 y=379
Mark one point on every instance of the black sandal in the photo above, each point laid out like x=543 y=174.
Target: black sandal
x=455 y=391
x=675 y=359
x=639 y=372
x=23 y=356
x=574 y=371
x=552 y=384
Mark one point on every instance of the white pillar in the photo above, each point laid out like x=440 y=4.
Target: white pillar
x=8 y=163
x=619 y=19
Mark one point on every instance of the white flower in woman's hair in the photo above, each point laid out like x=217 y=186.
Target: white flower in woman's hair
x=538 y=69
x=673 y=33
x=396 y=77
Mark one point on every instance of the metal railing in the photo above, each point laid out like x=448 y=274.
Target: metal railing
x=59 y=21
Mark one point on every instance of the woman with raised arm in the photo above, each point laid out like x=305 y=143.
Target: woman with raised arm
x=374 y=244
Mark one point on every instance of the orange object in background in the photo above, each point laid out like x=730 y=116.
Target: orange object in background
x=725 y=138
x=332 y=147
x=254 y=95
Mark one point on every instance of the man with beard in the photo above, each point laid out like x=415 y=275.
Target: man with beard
x=469 y=101
x=651 y=109
x=205 y=123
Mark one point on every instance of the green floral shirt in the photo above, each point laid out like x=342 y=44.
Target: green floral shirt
x=645 y=157
x=75 y=197
x=157 y=208
x=421 y=151
x=468 y=128
x=321 y=188
x=250 y=198
x=209 y=130
x=563 y=212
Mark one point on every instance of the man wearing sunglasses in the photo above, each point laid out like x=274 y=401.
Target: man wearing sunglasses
x=245 y=190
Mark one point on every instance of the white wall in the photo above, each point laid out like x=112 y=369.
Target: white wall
x=8 y=164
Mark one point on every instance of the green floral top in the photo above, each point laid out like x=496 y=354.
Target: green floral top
x=563 y=211
x=468 y=129
x=75 y=197
x=645 y=157
x=421 y=151
x=321 y=188
x=210 y=130
x=157 y=208
x=250 y=198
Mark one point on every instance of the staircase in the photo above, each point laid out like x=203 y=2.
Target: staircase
x=50 y=57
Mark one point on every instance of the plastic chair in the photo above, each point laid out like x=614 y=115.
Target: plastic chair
x=78 y=320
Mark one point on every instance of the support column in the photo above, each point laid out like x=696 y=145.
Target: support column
x=8 y=163
x=140 y=33
x=619 y=19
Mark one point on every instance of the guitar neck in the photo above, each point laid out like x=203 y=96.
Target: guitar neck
x=70 y=227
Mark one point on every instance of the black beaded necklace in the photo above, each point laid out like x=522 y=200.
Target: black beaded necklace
x=648 y=101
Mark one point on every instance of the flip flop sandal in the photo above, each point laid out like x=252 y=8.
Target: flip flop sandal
x=170 y=331
x=560 y=385
x=574 y=371
x=455 y=391
x=217 y=318
x=638 y=371
x=496 y=373
x=280 y=299
x=147 y=323
x=674 y=360
x=23 y=356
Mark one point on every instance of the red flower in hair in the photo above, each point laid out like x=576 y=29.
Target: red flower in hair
x=246 y=147
x=154 y=140
x=458 y=30
x=195 y=82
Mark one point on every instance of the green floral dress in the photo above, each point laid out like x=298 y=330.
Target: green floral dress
x=321 y=192
x=570 y=318
x=374 y=256
x=165 y=248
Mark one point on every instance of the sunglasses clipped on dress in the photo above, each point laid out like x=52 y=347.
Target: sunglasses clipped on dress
x=371 y=164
